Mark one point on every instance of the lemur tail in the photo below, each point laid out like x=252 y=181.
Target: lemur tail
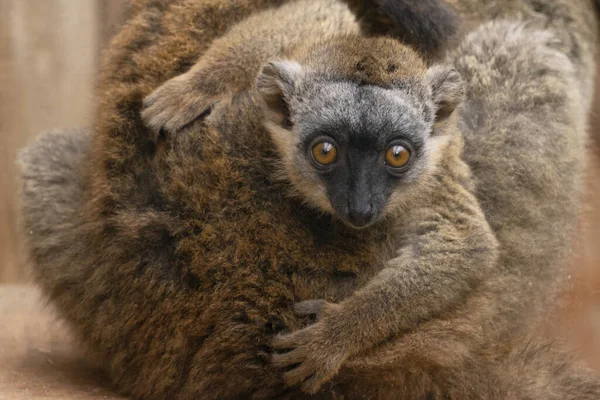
x=426 y=25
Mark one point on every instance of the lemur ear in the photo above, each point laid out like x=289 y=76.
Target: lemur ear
x=275 y=84
x=447 y=89
x=426 y=25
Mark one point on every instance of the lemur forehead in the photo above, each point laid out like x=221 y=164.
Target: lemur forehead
x=362 y=111
x=376 y=61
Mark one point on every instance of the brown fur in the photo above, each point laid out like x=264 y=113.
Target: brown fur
x=173 y=266
x=241 y=280
x=232 y=62
x=53 y=166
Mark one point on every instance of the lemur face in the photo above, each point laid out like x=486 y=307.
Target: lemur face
x=352 y=148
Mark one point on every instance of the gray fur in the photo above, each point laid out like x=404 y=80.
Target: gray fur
x=525 y=134
x=53 y=191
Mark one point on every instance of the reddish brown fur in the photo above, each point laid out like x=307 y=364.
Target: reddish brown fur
x=189 y=305
x=204 y=277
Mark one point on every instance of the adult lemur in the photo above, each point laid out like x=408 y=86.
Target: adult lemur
x=183 y=257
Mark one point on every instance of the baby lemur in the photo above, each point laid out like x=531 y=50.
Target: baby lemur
x=234 y=59
x=183 y=258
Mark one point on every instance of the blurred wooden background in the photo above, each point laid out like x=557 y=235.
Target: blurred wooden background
x=49 y=53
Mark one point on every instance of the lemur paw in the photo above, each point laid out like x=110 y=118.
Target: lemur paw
x=174 y=105
x=313 y=355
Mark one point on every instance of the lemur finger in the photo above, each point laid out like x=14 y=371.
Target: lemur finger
x=298 y=375
x=284 y=360
x=309 y=307
x=314 y=383
x=284 y=342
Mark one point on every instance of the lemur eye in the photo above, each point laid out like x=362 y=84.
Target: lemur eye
x=397 y=156
x=324 y=153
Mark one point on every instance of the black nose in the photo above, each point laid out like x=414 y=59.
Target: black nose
x=360 y=216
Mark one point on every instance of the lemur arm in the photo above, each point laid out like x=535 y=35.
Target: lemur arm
x=233 y=61
x=448 y=248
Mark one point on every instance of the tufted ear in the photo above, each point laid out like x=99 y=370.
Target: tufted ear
x=447 y=90
x=275 y=84
x=426 y=25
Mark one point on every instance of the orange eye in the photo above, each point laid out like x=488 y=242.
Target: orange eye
x=324 y=153
x=397 y=156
